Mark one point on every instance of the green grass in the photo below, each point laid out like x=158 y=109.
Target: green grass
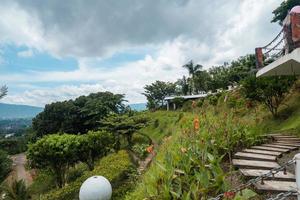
x=114 y=167
x=244 y=127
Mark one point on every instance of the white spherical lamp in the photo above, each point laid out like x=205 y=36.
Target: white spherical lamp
x=95 y=188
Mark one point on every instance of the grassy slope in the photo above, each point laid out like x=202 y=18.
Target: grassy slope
x=289 y=115
x=258 y=119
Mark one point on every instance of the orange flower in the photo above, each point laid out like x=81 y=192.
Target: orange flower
x=194 y=104
x=196 y=124
x=229 y=195
x=150 y=149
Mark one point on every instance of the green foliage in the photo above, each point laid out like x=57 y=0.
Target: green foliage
x=124 y=125
x=114 y=167
x=213 y=100
x=156 y=93
x=179 y=101
x=79 y=115
x=3 y=91
x=193 y=69
x=140 y=150
x=281 y=12
x=245 y=195
x=17 y=191
x=56 y=152
x=13 y=145
x=268 y=90
x=5 y=165
x=43 y=182
x=94 y=145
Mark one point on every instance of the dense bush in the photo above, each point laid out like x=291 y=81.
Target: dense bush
x=13 y=145
x=114 y=167
x=58 y=152
x=5 y=165
x=79 y=115
x=213 y=100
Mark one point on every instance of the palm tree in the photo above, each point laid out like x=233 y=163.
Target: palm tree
x=3 y=91
x=17 y=191
x=192 y=69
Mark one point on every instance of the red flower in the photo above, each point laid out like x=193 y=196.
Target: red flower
x=229 y=195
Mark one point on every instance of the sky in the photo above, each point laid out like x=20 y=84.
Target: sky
x=55 y=50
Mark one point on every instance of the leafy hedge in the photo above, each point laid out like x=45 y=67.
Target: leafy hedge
x=114 y=167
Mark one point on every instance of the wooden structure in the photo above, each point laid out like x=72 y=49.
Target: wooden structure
x=282 y=55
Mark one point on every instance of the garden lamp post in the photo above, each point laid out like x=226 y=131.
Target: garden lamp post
x=95 y=188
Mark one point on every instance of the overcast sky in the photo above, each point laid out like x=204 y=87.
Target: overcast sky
x=54 y=50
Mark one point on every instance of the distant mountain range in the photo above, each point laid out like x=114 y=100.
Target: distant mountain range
x=13 y=111
x=138 y=106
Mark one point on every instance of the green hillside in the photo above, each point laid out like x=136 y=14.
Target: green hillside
x=12 y=111
x=171 y=174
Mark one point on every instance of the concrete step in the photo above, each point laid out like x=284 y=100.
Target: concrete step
x=276 y=186
x=264 y=152
x=258 y=172
x=280 y=146
x=270 y=149
x=253 y=156
x=287 y=144
x=254 y=164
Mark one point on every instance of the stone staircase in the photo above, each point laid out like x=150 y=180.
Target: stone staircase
x=258 y=160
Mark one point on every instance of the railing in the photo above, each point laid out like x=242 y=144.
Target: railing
x=261 y=179
x=272 y=51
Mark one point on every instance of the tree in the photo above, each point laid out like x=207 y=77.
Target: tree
x=192 y=69
x=94 y=145
x=5 y=165
x=157 y=92
x=3 y=91
x=79 y=115
x=17 y=191
x=201 y=81
x=55 y=152
x=183 y=85
x=124 y=125
x=268 y=90
x=281 y=12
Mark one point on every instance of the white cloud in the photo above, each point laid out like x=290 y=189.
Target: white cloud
x=26 y=53
x=42 y=96
x=209 y=32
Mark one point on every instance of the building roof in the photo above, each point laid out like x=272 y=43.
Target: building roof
x=295 y=9
x=197 y=96
x=287 y=65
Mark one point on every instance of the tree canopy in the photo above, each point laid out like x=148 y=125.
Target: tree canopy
x=3 y=91
x=201 y=80
x=5 y=165
x=79 y=115
x=281 y=12
x=268 y=90
x=157 y=92
x=124 y=125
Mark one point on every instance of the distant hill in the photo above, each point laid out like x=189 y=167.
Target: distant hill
x=12 y=111
x=138 y=106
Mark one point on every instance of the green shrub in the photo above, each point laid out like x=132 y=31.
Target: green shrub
x=213 y=100
x=5 y=165
x=179 y=101
x=76 y=172
x=156 y=123
x=140 y=150
x=200 y=103
x=114 y=167
x=42 y=183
